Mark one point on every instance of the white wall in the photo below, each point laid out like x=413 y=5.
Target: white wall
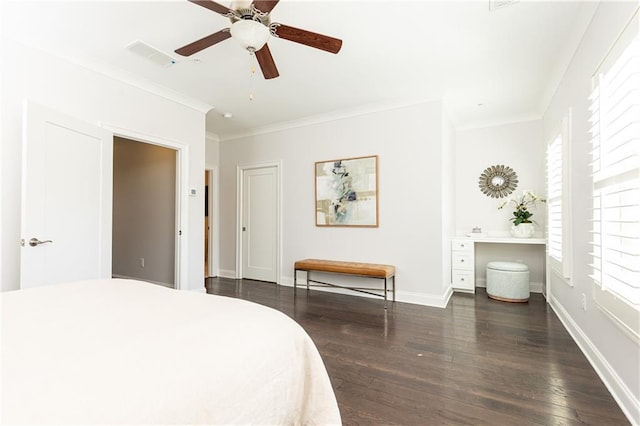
x=95 y=98
x=448 y=192
x=410 y=236
x=614 y=354
x=517 y=145
x=212 y=153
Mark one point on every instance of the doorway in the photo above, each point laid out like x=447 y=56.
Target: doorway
x=144 y=211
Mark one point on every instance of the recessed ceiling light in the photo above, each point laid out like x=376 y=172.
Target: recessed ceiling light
x=227 y=115
x=197 y=61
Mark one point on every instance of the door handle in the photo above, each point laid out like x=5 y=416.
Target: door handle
x=36 y=242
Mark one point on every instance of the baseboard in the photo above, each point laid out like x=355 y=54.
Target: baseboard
x=628 y=402
x=431 y=300
x=227 y=273
x=533 y=286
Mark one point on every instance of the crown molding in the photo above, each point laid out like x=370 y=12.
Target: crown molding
x=122 y=76
x=212 y=136
x=327 y=117
x=502 y=121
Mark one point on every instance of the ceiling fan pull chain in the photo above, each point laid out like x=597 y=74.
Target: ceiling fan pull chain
x=253 y=72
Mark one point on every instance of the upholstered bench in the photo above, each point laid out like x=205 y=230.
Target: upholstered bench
x=368 y=270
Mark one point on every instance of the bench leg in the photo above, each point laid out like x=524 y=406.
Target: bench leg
x=394 y=288
x=386 y=286
x=385 y=293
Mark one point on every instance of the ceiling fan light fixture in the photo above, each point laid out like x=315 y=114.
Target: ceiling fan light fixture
x=251 y=35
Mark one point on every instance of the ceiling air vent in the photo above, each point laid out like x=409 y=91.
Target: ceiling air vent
x=151 y=53
x=499 y=4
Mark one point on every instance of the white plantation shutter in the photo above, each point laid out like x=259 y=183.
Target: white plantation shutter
x=558 y=204
x=615 y=130
x=554 y=198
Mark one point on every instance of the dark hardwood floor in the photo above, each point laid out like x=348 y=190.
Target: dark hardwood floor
x=478 y=361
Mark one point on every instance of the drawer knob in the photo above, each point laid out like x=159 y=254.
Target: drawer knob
x=461 y=279
x=461 y=260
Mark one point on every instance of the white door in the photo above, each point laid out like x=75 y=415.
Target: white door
x=260 y=224
x=66 y=199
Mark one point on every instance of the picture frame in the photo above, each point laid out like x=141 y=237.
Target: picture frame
x=346 y=192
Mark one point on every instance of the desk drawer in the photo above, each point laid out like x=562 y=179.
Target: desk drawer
x=462 y=245
x=460 y=260
x=463 y=280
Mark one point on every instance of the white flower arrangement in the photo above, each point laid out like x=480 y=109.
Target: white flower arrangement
x=522 y=204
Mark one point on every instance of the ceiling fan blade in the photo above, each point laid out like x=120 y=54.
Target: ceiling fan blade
x=204 y=42
x=211 y=5
x=265 y=6
x=307 y=38
x=267 y=65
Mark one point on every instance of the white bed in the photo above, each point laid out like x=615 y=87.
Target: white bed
x=124 y=351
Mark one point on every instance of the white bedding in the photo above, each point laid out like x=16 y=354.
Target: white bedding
x=124 y=351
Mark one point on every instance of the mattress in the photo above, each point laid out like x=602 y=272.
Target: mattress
x=125 y=351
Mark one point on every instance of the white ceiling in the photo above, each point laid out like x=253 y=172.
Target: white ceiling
x=394 y=53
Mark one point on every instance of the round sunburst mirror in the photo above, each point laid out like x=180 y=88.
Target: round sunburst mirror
x=498 y=181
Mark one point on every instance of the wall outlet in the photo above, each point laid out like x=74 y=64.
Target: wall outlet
x=584 y=302
x=142 y=262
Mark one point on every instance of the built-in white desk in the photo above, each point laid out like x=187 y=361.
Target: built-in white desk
x=463 y=249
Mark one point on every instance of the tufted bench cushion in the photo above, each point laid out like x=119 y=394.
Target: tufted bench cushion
x=351 y=268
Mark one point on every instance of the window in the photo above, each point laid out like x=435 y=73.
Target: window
x=558 y=209
x=615 y=130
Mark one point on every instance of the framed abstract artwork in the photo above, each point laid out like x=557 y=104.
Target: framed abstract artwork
x=347 y=192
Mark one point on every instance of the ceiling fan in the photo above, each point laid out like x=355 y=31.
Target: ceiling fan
x=251 y=25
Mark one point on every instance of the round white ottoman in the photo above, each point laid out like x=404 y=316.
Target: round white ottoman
x=508 y=281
